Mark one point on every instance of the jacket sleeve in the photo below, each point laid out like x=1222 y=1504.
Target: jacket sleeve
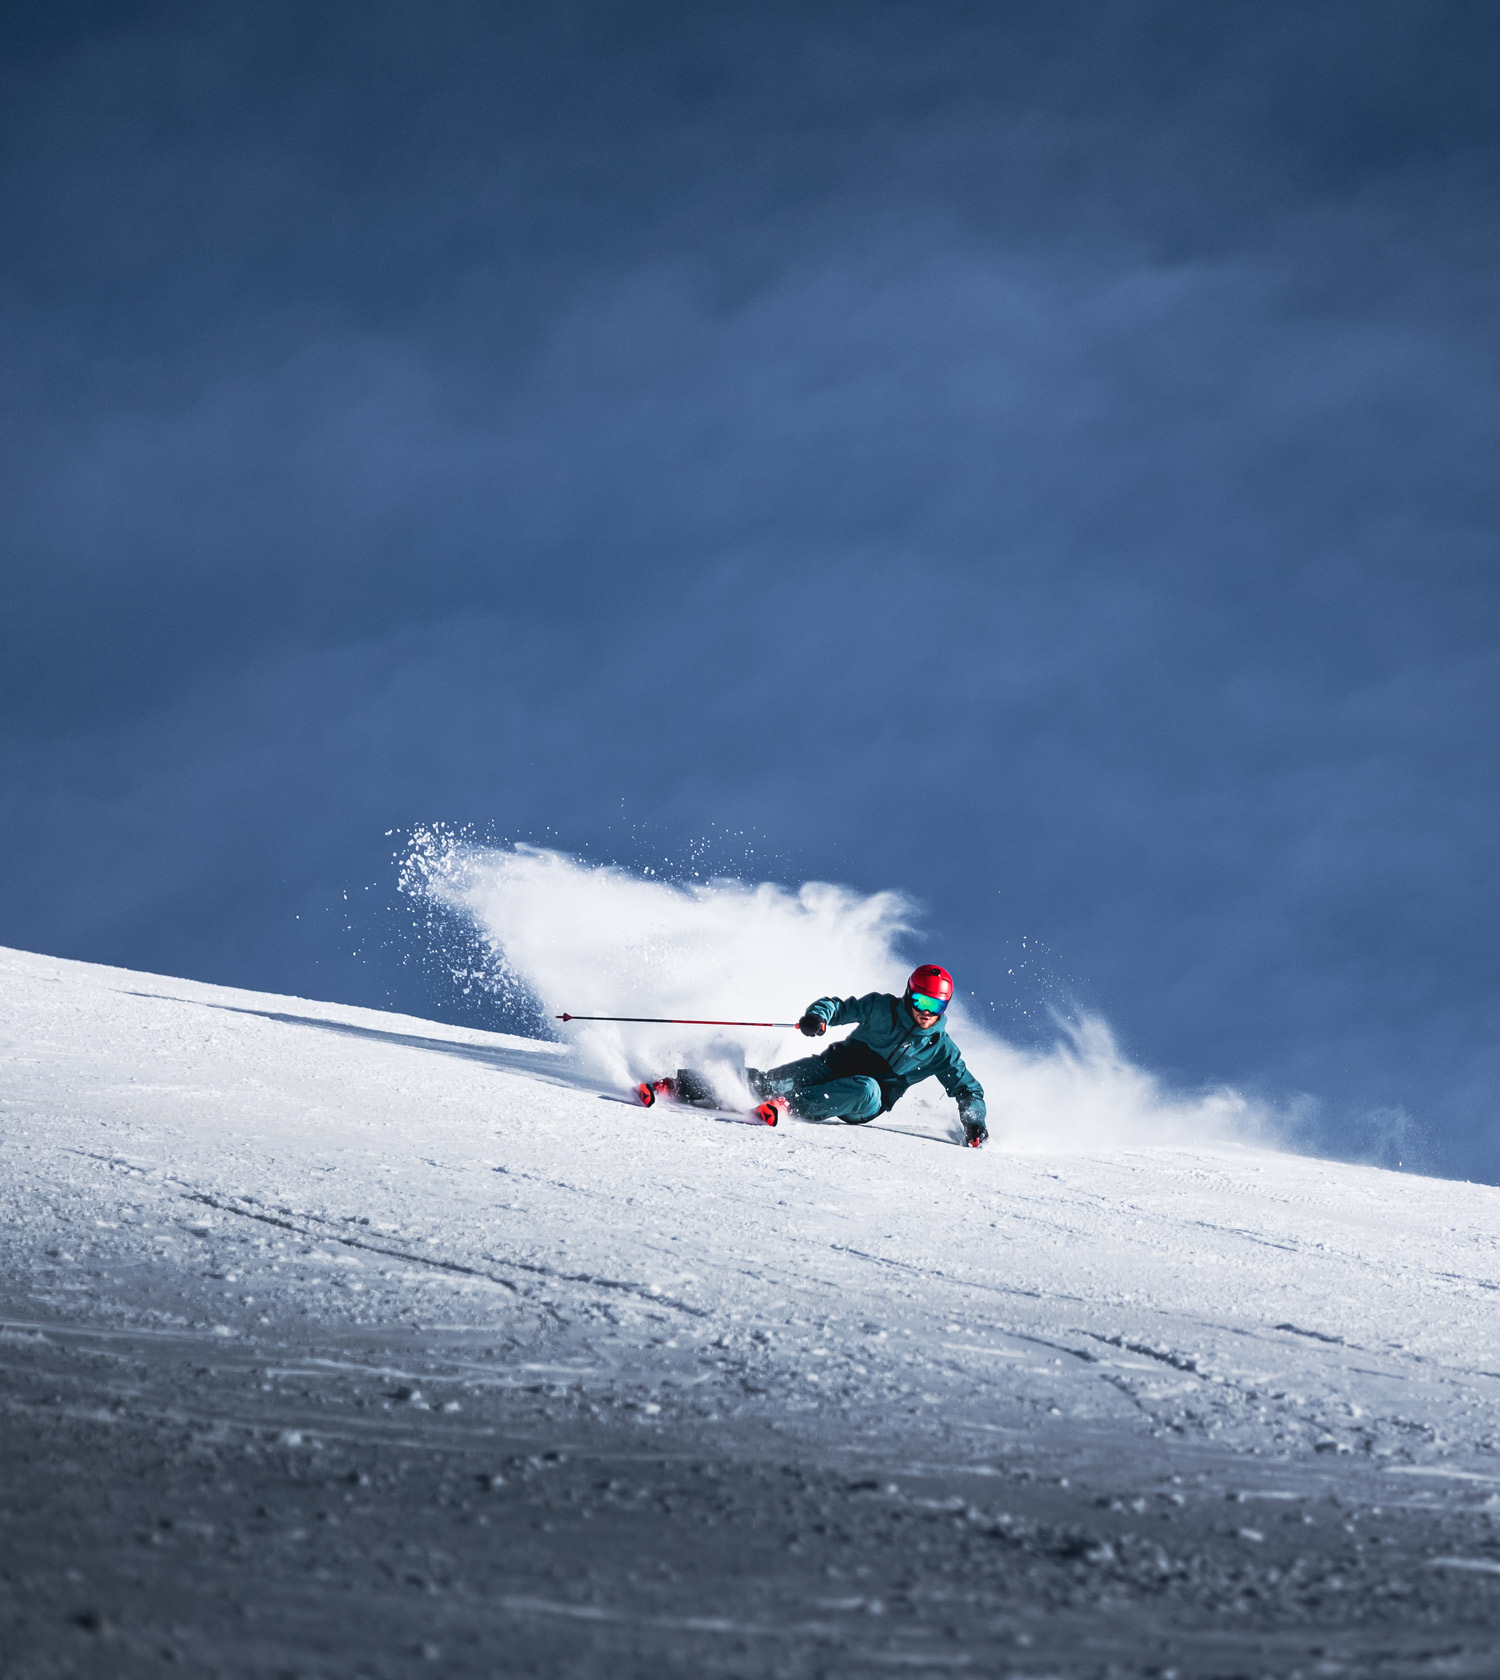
x=960 y=1084
x=840 y=1012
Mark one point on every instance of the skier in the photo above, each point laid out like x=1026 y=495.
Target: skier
x=895 y=1043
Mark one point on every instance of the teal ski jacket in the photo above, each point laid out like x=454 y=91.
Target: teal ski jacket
x=889 y=1046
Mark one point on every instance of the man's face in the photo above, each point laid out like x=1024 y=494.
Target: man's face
x=925 y=1010
x=924 y=1018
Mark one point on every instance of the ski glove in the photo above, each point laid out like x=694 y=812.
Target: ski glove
x=812 y=1026
x=975 y=1133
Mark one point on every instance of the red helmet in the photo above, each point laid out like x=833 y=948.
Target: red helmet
x=931 y=981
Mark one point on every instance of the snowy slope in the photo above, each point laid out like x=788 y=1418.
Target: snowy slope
x=190 y=1156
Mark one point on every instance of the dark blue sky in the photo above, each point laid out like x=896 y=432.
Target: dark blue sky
x=1042 y=456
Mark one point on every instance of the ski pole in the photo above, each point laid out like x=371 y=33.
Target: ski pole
x=671 y=1021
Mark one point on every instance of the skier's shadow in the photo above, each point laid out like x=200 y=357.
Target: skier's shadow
x=519 y=1061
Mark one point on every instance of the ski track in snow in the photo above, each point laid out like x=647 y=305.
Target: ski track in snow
x=324 y=1193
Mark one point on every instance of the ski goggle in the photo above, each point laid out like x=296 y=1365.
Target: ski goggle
x=925 y=1005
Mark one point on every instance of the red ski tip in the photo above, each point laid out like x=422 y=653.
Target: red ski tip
x=771 y=1110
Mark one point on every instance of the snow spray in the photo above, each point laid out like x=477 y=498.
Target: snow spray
x=602 y=940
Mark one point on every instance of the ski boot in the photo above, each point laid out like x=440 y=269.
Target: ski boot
x=771 y=1110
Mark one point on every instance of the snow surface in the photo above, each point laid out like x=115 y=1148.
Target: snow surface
x=1280 y=1303
x=461 y=1214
